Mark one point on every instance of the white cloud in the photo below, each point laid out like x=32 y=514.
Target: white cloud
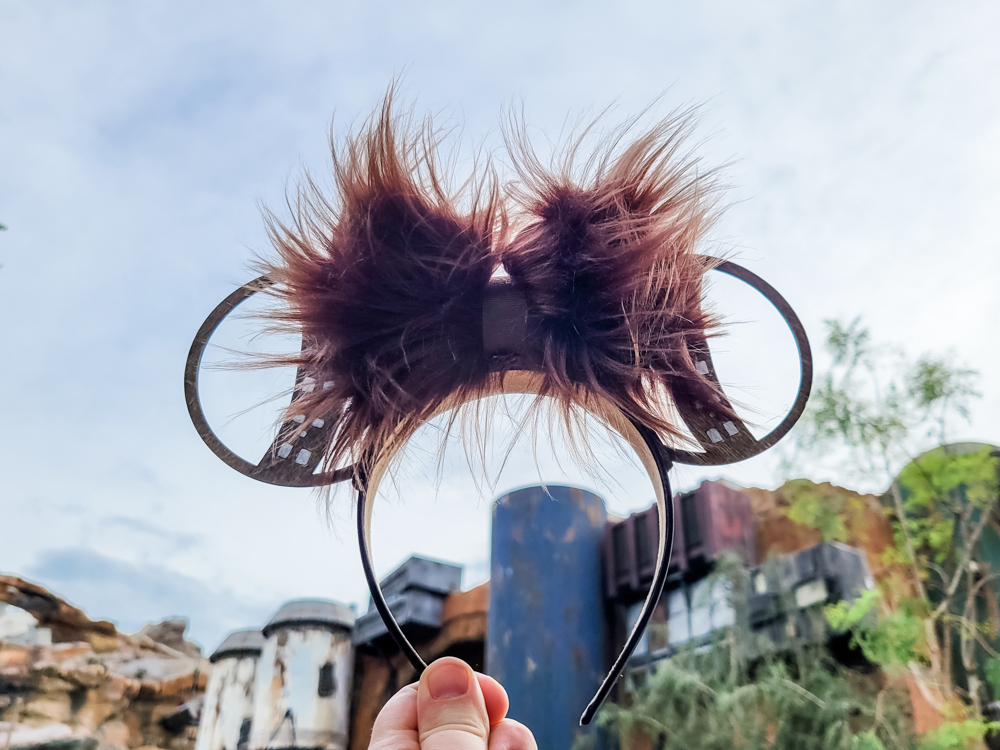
x=134 y=595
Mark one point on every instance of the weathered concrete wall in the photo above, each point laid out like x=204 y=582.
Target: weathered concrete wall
x=228 y=704
x=290 y=709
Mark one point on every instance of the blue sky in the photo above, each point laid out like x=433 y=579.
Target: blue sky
x=138 y=141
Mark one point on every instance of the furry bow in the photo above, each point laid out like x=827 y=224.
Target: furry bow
x=386 y=283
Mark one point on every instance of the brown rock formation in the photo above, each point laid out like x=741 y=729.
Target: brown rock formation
x=67 y=623
x=94 y=682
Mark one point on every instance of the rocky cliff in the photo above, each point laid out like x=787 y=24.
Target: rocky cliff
x=69 y=682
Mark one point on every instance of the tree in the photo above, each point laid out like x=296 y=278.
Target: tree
x=875 y=411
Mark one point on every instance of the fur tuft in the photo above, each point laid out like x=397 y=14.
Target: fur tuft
x=611 y=275
x=386 y=285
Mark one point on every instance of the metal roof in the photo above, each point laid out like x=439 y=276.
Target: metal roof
x=239 y=643
x=418 y=613
x=316 y=612
x=422 y=573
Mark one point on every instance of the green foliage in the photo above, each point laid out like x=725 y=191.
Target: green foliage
x=811 y=508
x=871 y=412
x=958 y=735
x=942 y=476
x=933 y=381
x=941 y=488
x=846 y=615
x=849 y=344
x=694 y=702
x=877 y=405
x=890 y=639
x=993 y=674
x=866 y=741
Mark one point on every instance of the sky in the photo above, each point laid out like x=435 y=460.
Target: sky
x=139 y=141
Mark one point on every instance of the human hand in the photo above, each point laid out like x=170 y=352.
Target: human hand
x=451 y=708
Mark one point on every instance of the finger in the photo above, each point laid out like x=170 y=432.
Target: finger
x=396 y=724
x=451 y=710
x=511 y=735
x=495 y=697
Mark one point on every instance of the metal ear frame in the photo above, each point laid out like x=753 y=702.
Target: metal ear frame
x=731 y=441
x=275 y=468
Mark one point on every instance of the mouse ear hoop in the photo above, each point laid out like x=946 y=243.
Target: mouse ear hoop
x=726 y=441
x=503 y=327
x=656 y=461
x=284 y=464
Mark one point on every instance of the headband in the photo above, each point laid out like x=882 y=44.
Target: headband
x=413 y=302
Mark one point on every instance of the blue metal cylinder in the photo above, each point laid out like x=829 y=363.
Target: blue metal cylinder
x=545 y=634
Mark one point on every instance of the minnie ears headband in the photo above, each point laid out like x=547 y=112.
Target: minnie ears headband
x=412 y=302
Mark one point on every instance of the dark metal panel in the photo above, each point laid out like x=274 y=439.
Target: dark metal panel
x=848 y=567
x=422 y=573
x=725 y=523
x=628 y=552
x=417 y=612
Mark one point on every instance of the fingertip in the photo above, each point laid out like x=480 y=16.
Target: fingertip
x=397 y=721
x=451 y=709
x=497 y=703
x=511 y=735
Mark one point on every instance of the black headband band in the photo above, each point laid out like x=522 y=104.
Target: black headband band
x=656 y=461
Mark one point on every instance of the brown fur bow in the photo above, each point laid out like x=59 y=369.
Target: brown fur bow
x=386 y=283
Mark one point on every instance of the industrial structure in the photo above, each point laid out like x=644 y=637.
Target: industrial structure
x=304 y=678
x=228 y=707
x=566 y=584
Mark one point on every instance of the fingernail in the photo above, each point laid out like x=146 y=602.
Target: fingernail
x=447 y=680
